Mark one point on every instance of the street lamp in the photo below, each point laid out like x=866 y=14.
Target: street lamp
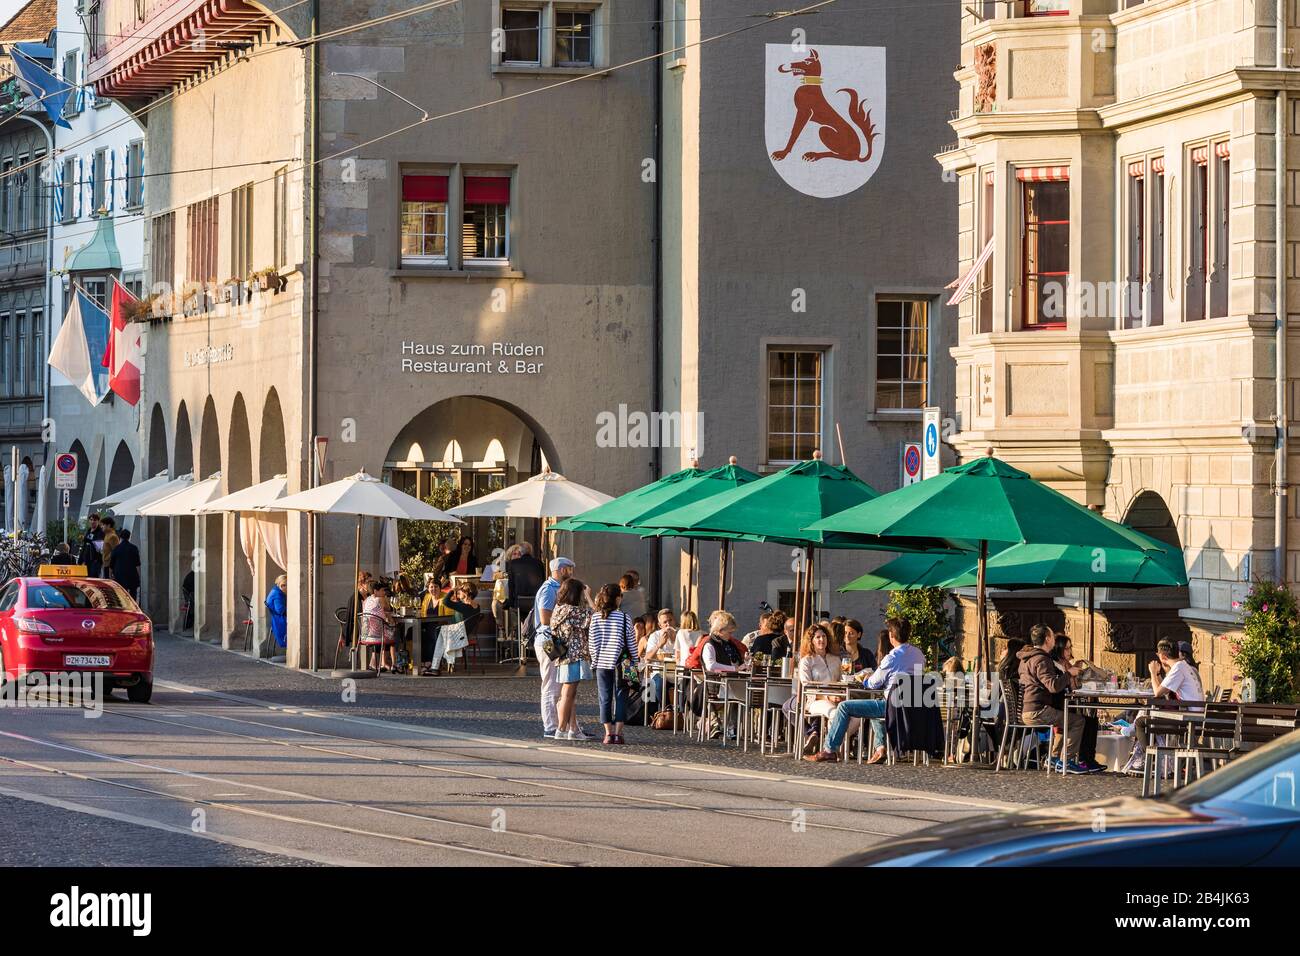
x=424 y=114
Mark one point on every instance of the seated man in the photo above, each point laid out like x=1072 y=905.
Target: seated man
x=661 y=644
x=771 y=639
x=903 y=658
x=1040 y=681
x=1173 y=677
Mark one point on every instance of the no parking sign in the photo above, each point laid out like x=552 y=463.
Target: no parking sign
x=65 y=471
x=910 y=464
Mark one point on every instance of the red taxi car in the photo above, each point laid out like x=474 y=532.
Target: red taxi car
x=59 y=622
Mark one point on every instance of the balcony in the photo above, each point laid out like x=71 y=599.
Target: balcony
x=144 y=48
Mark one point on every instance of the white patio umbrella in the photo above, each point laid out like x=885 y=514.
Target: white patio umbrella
x=132 y=505
x=186 y=502
x=122 y=494
x=254 y=498
x=363 y=496
x=390 y=555
x=548 y=495
x=41 y=497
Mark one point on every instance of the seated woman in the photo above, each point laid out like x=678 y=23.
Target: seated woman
x=859 y=657
x=1063 y=657
x=771 y=640
x=819 y=663
x=377 y=628
x=458 y=605
x=688 y=635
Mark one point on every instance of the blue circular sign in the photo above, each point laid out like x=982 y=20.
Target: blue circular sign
x=931 y=439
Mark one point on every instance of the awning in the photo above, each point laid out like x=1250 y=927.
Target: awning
x=132 y=505
x=157 y=481
x=1043 y=174
x=256 y=498
x=965 y=281
x=187 y=502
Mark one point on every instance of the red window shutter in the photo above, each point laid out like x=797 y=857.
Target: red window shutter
x=424 y=189
x=491 y=190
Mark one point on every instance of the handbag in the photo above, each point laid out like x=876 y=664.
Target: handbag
x=627 y=671
x=554 y=646
x=662 y=720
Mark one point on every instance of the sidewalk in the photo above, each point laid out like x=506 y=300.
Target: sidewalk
x=508 y=708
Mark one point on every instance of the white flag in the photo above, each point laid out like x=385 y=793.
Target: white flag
x=71 y=354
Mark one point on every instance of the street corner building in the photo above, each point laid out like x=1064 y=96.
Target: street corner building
x=1127 y=274
x=455 y=243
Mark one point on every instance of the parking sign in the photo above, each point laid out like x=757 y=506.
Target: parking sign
x=910 y=464
x=65 y=471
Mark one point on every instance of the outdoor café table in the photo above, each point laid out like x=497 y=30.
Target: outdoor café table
x=849 y=690
x=412 y=625
x=1101 y=697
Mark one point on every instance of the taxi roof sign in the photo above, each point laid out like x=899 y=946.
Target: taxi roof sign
x=63 y=571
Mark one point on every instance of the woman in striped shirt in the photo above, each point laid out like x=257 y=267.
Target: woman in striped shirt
x=610 y=637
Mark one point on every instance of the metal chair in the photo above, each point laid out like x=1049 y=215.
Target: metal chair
x=775 y=695
x=341 y=615
x=1213 y=741
x=1015 y=732
x=1165 y=735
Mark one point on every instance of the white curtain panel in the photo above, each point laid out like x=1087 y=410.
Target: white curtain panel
x=273 y=529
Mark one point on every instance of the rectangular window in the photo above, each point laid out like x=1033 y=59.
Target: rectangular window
x=424 y=219
x=201 y=231
x=1199 y=238
x=69 y=189
x=72 y=106
x=281 y=235
x=99 y=182
x=486 y=224
x=1047 y=8
x=523 y=36
x=20 y=354
x=97 y=289
x=38 y=352
x=1135 y=243
x=573 y=38
x=902 y=353
x=241 y=231
x=6 y=195
x=162 y=249
x=1045 y=247
x=675 y=31
x=6 y=330
x=135 y=175
x=40 y=193
x=22 y=179
x=984 y=282
x=1155 y=299
x=1220 y=244
x=794 y=403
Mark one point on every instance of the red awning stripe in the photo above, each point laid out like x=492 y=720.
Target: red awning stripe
x=493 y=190
x=965 y=281
x=988 y=177
x=1042 y=174
x=1201 y=155
x=1158 y=164
x=1137 y=169
x=1221 y=149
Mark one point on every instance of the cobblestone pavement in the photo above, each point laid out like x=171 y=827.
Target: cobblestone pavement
x=508 y=708
x=71 y=838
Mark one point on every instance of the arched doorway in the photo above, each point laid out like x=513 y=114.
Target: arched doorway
x=475 y=446
x=157 y=556
x=77 y=496
x=238 y=475
x=181 y=532
x=122 y=471
x=1149 y=514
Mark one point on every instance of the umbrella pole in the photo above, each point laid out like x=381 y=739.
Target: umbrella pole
x=1091 y=608
x=690 y=576
x=981 y=637
x=356 y=620
x=722 y=576
x=798 y=604
x=810 y=583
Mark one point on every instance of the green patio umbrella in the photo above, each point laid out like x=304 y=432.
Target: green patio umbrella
x=778 y=508
x=634 y=512
x=1030 y=566
x=987 y=501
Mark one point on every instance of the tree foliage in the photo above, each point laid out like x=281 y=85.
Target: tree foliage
x=419 y=540
x=1268 y=651
x=926 y=610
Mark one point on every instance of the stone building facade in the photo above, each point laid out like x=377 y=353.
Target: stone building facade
x=1118 y=180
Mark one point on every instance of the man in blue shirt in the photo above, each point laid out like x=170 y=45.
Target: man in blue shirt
x=543 y=605
x=903 y=659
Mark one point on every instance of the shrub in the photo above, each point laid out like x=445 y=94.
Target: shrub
x=419 y=540
x=927 y=611
x=1268 y=651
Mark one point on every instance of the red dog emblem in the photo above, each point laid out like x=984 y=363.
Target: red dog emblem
x=838 y=135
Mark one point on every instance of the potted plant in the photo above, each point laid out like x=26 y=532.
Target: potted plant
x=268 y=280
x=1268 y=651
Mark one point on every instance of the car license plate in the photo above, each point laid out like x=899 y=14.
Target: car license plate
x=87 y=660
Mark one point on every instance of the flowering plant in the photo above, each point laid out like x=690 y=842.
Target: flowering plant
x=1268 y=651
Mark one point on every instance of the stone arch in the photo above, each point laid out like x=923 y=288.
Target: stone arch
x=156 y=455
x=183 y=452
x=78 y=495
x=157 y=550
x=236 y=476
x=272 y=457
x=209 y=442
x=209 y=595
x=121 y=473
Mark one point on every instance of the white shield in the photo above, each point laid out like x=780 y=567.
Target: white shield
x=825 y=115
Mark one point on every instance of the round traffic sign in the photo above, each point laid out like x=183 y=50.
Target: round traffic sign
x=67 y=464
x=912 y=461
x=931 y=439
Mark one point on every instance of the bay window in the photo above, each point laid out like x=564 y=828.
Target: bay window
x=1045 y=245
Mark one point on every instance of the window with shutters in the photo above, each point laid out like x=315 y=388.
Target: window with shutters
x=6 y=195
x=162 y=249
x=485 y=227
x=71 y=106
x=135 y=175
x=20 y=354
x=22 y=187
x=241 y=231
x=201 y=245
x=99 y=184
x=69 y=189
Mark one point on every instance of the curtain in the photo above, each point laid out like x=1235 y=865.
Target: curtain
x=248 y=541
x=273 y=529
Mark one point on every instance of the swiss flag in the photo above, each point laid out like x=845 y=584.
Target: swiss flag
x=122 y=357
